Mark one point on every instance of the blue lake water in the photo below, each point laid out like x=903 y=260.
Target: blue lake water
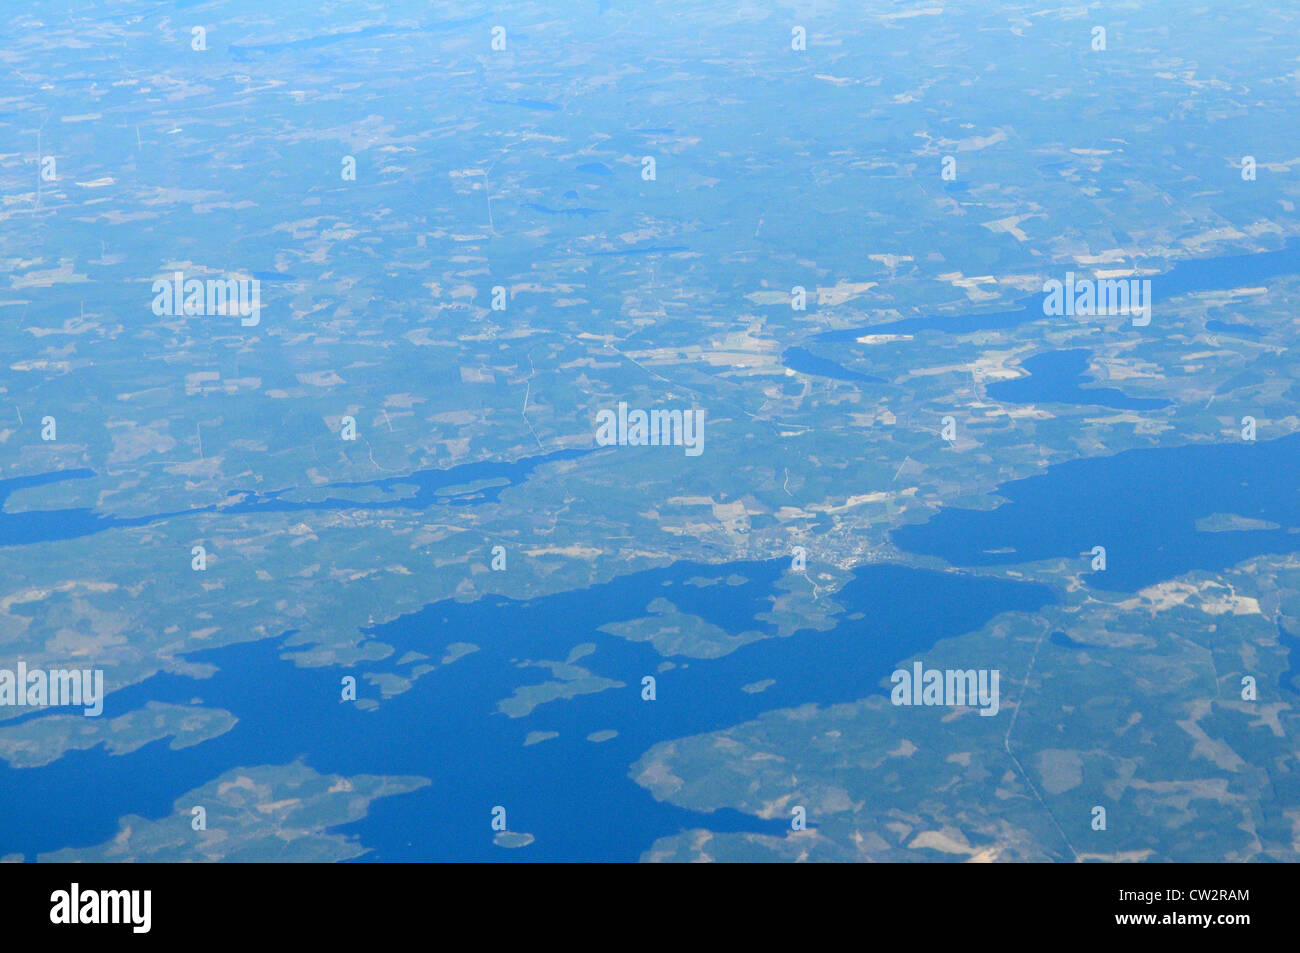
x=37 y=526
x=580 y=212
x=536 y=104
x=1185 y=277
x=1065 y=642
x=1202 y=274
x=805 y=362
x=572 y=794
x=1055 y=377
x=1234 y=328
x=1142 y=505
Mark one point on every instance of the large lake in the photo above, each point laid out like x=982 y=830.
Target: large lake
x=574 y=795
x=1185 y=277
x=1141 y=505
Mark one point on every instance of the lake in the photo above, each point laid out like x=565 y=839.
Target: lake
x=572 y=794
